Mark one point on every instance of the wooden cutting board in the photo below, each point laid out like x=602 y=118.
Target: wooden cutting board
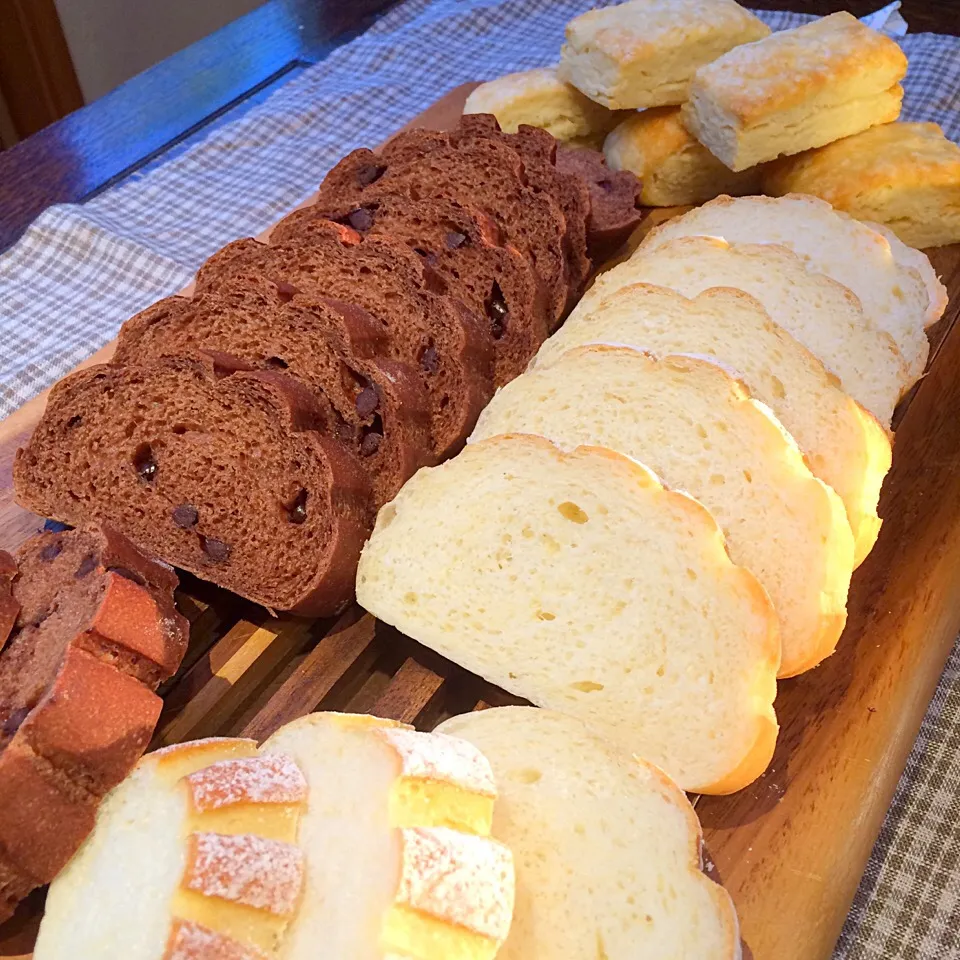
x=791 y=848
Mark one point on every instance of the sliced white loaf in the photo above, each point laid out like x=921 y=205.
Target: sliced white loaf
x=606 y=847
x=698 y=429
x=844 y=446
x=577 y=581
x=892 y=292
x=822 y=314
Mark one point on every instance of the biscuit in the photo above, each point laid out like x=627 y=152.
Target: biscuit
x=673 y=166
x=905 y=176
x=796 y=90
x=644 y=53
x=541 y=99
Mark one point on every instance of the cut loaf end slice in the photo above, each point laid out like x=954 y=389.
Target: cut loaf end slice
x=576 y=580
x=606 y=847
x=699 y=430
x=844 y=445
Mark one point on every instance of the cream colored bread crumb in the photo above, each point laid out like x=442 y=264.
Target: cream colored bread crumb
x=795 y=90
x=607 y=848
x=673 y=166
x=844 y=446
x=905 y=176
x=541 y=99
x=644 y=53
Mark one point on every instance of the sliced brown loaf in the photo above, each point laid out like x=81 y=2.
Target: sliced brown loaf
x=428 y=330
x=224 y=476
x=96 y=632
x=9 y=608
x=463 y=246
x=380 y=407
x=483 y=173
x=614 y=199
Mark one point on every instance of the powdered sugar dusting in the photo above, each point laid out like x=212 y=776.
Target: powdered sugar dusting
x=458 y=877
x=193 y=941
x=270 y=779
x=247 y=869
x=437 y=756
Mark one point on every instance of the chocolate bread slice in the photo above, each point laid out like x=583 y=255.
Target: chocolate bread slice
x=95 y=633
x=379 y=406
x=442 y=339
x=614 y=199
x=463 y=245
x=226 y=476
x=9 y=608
x=483 y=173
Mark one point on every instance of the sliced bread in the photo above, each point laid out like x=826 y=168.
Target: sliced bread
x=821 y=313
x=577 y=581
x=698 y=429
x=607 y=848
x=843 y=444
x=892 y=292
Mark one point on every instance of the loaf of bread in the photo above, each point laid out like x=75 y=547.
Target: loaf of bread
x=541 y=99
x=93 y=632
x=357 y=834
x=644 y=53
x=844 y=446
x=895 y=296
x=577 y=581
x=821 y=313
x=233 y=477
x=698 y=429
x=673 y=167
x=795 y=90
x=903 y=175
x=597 y=836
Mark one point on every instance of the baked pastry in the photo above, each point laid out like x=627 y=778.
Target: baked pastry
x=95 y=632
x=9 y=607
x=844 y=446
x=903 y=175
x=892 y=292
x=820 y=312
x=541 y=99
x=379 y=407
x=449 y=346
x=226 y=476
x=463 y=246
x=597 y=837
x=795 y=90
x=577 y=581
x=673 y=167
x=644 y=53
x=217 y=850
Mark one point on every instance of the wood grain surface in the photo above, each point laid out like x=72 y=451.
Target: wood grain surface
x=791 y=848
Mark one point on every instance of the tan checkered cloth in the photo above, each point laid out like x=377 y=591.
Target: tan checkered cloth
x=81 y=270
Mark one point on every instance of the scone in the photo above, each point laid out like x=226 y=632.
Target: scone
x=673 y=166
x=644 y=53
x=905 y=176
x=541 y=99
x=796 y=90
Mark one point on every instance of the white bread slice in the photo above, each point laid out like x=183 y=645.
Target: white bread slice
x=698 y=429
x=396 y=838
x=607 y=848
x=844 y=446
x=577 y=581
x=822 y=314
x=892 y=293
x=193 y=848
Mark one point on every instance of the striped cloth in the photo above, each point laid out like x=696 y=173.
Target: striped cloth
x=80 y=271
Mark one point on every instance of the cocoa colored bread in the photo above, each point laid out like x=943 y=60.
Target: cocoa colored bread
x=442 y=339
x=227 y=476
x=484 y=173
x=463 y=245
x=9 y=608
x=614 y=199
x=379 y=406
x=96 y=631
